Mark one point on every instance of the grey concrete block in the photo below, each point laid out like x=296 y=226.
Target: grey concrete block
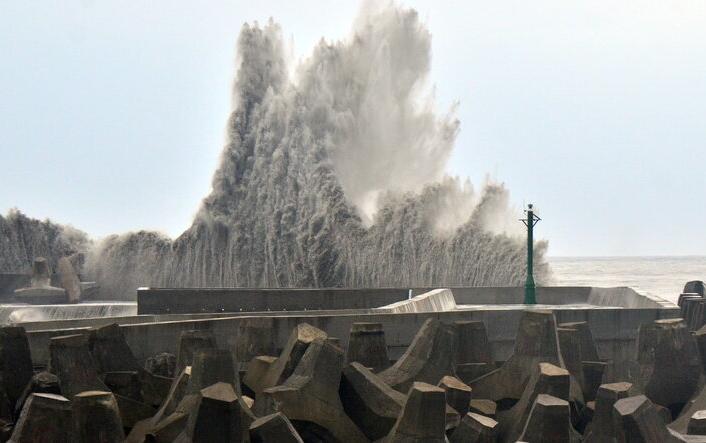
x=310 y=394
x=96 y=418
x=367 y=346
x=274 y=428
x=428 y=358
x=45 y=418
x=422 y=418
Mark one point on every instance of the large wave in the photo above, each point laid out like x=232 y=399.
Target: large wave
x=23 y=238
x=333 y=175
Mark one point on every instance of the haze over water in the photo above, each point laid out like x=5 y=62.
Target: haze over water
x=661 y=276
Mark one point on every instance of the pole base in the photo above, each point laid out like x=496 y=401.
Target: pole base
x=530 y=294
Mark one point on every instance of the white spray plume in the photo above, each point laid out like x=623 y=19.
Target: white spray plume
x=333 y=176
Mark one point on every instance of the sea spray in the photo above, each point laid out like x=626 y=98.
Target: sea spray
x=23 y=238
x=332 y=175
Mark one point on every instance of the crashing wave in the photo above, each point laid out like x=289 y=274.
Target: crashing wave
x=333 y=176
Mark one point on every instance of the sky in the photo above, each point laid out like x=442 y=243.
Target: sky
x=112 y=113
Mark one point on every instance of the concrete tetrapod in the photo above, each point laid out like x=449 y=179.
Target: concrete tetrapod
x=257 y=370
x=683 y=296
x=374 y=406
x=369 y=402
x=601 y=427
x=697 y=423
x=40 y=291
x=189 y=343
x=688 y=308
x=41 y=383
x=69 y=280
x=580 y=358
x=549 y=422
x=475 y=428
x=71 y=361
x=212 y=366
x=422 y=418
x=274 y=428
x=15 y=362
x=96 y=418
x=636 y=420
x=163 y=364
x=695 y=404
x=110 y=350
x=265 y=372
x=473 y=356
x=41 y=274
x=173 y=426
x=592 y=373
x=536 y=342
x=220 y=416
x=700 y=337
x=125 y=383
x=367 y=346
x=45 y=418
x=177 y=391
x=299 y=340
x=310 y=394
x=428 y=358
x=546 y=379
x=154 y=388
x=696 y=321
x=587 y=346
x=695 y=287
x=253 y=337
x=483 y=406
x=458 y=394
x=670 y=366
x=133 y=411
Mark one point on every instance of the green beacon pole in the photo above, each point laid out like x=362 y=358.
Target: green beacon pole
x=530 y=222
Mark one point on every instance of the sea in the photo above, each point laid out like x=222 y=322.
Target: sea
x=662 y=276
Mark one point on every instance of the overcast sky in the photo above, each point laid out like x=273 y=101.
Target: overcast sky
x=112 y=113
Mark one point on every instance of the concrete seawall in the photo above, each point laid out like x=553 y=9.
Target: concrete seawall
x=614 y=329
x=195 y=300
x=217 y=300
x=613 y=315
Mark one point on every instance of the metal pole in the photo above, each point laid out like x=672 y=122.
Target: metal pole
x=530 y=222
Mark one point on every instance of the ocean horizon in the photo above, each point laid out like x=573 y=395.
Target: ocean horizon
x=663 y=276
